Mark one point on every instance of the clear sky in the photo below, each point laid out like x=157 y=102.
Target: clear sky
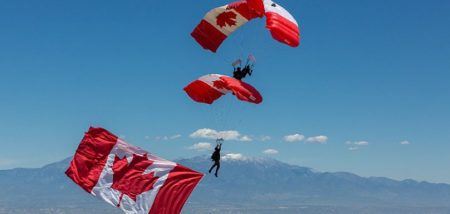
x=367 y=76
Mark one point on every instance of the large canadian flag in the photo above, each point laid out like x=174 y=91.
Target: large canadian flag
x=128 y=177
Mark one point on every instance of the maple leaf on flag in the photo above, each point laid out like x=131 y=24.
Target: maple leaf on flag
x=219 y=84
x=226 y=18
x=129 y=178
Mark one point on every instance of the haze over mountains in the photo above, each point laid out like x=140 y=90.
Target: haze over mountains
x=253 y=185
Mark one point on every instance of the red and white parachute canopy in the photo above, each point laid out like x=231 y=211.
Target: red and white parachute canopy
x=211 y=87
x=220 y=22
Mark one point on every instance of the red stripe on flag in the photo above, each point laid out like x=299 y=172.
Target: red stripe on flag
x=243 y=8
x=257 y=6
x=90 y=157
x=175 y=191
x=201 y=92
x=282 y=29
x=208 y=36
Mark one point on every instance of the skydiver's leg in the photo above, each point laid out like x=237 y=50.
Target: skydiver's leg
x=212 y=167
x=218 y=167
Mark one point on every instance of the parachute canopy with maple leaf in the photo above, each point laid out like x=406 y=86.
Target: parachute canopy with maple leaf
x=211 y=87
x=220 y=22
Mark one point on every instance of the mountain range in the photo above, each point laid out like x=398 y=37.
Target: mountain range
x=251 y=185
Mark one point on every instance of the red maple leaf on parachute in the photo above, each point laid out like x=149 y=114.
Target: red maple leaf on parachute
x=226 y=18
x=219 y=84
x=129 y=178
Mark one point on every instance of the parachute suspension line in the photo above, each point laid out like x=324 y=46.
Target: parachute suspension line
x=228 y=115
x=222 y=117
x=244 y=122
x=243 y=46
x=214 y=113
x=217 y=113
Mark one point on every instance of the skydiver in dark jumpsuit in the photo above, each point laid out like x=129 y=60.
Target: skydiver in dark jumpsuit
x=216 y=156
x=240 y=73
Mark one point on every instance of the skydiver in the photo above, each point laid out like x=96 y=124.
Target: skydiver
x=216 y=156
x=239 y=73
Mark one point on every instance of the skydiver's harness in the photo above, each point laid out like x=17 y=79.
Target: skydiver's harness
x=239 y=73
x=216 y=155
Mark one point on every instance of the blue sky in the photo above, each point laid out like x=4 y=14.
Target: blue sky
x=366 y=72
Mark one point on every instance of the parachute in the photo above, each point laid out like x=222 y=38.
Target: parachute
x=211 y=87
x=220 y=22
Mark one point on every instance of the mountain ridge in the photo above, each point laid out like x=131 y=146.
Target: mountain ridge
x=266 y=185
